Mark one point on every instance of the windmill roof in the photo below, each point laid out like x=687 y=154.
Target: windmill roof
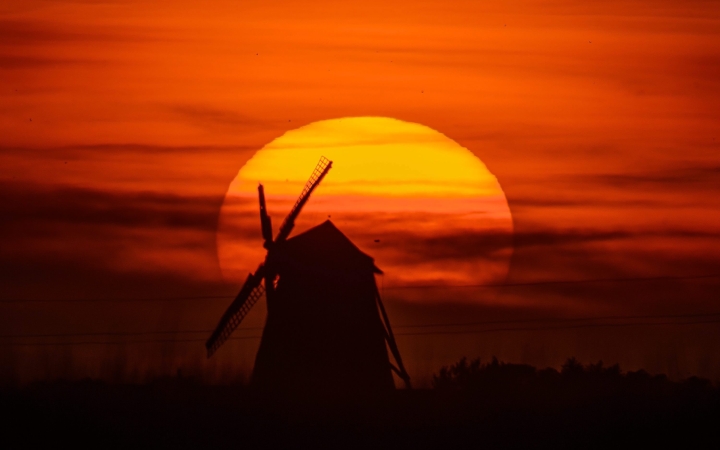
x=325 y=246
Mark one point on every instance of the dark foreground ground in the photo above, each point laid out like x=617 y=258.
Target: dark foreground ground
x=471 y=406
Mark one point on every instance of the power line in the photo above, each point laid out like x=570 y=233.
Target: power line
x=564 y=319
x=144 y=341
x=424 y=286
x=559 y=327
x=552 y=282
x=398 y=327
x=174 y=341
x=114 y=333
x=418 y=333
x=116 y=299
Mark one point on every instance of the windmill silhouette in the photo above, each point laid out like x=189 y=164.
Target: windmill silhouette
x=326 y=329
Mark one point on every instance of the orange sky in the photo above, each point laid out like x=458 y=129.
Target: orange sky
x=123 y=123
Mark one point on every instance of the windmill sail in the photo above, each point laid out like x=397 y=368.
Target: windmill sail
x=253 y=289
x=316 y=177
x=265 y=222
x=250 y=293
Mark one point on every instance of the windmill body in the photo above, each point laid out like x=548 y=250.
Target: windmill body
x=323 y=331
x=326 y=330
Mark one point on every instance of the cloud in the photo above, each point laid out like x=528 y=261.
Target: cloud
x=703 y=177
x=660 y=189
x=141 y=232
x=25 y=32
x=557 y=238
x=185 y=171
x=134 y=149
x=468 y=245
x=214 y=117
x=623 y=258
x=32 y=62
x=51 y=206
x=549 y=202
x=454 y=247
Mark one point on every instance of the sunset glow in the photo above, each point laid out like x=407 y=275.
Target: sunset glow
x=393 y=187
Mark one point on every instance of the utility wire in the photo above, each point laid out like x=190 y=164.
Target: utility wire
x=115 y=333
x=144 y=341
x=564 y=319
x=429 y=325
x=418 y=333
x=559 y=327
x=424 y=286
x=174 y=341
x=551 y=282
x=399 y=327
x=116 y=299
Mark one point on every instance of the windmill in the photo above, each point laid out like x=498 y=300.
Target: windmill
x=326 y=328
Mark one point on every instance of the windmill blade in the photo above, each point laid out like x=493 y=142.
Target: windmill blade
x=265 y=222
x=250 y=293
x=390 y=337
x=316 y=177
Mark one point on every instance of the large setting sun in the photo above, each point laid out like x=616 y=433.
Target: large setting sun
x=402 y=192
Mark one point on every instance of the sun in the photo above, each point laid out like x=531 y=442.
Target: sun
x=427 y=209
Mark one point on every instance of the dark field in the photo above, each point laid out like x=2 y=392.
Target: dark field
x=494 y=405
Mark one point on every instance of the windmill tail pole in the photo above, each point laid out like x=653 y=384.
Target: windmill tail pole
x=400 y=369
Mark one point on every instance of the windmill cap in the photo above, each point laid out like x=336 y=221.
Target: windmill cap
x=325 y=247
